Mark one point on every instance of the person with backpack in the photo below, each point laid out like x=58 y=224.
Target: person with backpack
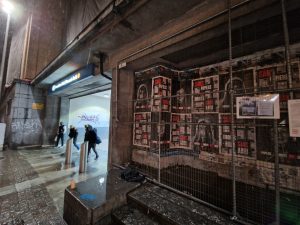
x=73 y=134
x=91 y=137
x=98 y=139
x=60 y=134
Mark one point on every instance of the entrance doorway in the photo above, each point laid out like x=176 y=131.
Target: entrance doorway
x=93 y=110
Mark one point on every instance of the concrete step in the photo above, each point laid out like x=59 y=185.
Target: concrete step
x=170 y=208
x=128 y=215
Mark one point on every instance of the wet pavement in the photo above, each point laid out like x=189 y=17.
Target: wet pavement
x=32 y=183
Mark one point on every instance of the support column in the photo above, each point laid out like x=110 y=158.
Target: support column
x=121 y=117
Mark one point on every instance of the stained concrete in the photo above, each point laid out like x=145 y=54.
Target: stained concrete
x=128 y=215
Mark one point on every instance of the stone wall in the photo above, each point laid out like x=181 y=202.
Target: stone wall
x=30 y=115
x=26 y=121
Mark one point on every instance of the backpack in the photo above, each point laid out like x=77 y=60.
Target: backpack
x=132 y=175
x=98 y=140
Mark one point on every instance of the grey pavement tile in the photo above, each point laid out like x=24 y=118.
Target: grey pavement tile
x=26 y=204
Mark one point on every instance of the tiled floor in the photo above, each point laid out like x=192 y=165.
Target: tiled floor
x=32 y=183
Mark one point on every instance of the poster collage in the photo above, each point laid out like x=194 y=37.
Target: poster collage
x=189 y=111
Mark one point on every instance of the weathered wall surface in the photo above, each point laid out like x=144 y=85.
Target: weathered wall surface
x=121 y=128
x=50 y=120
x=64 y=110
x=81 y=14
x=25 y=122
x=15 y=54
x=47 y=35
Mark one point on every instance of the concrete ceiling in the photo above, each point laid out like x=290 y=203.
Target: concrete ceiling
x=256 y=31
x=150 y=16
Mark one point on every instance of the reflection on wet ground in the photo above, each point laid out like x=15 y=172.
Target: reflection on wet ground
x=25 y=170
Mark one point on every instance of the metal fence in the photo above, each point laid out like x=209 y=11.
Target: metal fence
x=216 y=134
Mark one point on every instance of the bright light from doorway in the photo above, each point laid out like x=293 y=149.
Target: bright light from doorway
x=7 y=6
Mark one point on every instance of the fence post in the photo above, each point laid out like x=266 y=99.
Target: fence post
x=69 y=151
x=159 y=139
x=232 y=129
x=276 y=172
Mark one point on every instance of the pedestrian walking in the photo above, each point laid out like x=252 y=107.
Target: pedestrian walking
x=60 y=134
x=91 y=137
x=73 y=134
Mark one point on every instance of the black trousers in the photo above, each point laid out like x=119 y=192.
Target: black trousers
x=61 y=137
x=92 y=146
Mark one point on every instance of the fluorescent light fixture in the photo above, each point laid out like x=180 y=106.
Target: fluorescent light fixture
x=7 y=6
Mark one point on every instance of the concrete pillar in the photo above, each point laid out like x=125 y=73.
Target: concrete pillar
x=51 y=119
x=64 y=115
x=121 y=118
x=64 y=110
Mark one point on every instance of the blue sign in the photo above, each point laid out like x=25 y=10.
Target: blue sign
x=73 y=78
x=88 y=197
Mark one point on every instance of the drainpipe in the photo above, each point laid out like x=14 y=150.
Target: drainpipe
x=101 y=57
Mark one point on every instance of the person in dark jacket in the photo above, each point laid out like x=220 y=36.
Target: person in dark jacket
x=91 y=137
x=73 y=134
x=60 y=134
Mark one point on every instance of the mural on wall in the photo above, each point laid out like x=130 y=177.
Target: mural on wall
x=142 y=129
x=93 y=110
x=242 y=84
x=181 y=132
x=89 y=118
x=205 y=95
x=206 y=133
x=143 y=95
x=160 y=130
x=181 y=94
x=189 y=114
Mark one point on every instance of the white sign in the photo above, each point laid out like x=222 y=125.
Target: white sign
x=263 y=107
x=294 y=117
x=66 y=81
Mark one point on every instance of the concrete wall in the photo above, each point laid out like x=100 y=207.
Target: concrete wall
x=52 y=111
x=25 y=123
x=29 y=123
x=15 y=55
x=121 y=114
x=47 y=34
x=64 y=110
x=81 y=14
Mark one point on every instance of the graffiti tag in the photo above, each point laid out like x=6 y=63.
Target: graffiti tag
x=89 y=118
